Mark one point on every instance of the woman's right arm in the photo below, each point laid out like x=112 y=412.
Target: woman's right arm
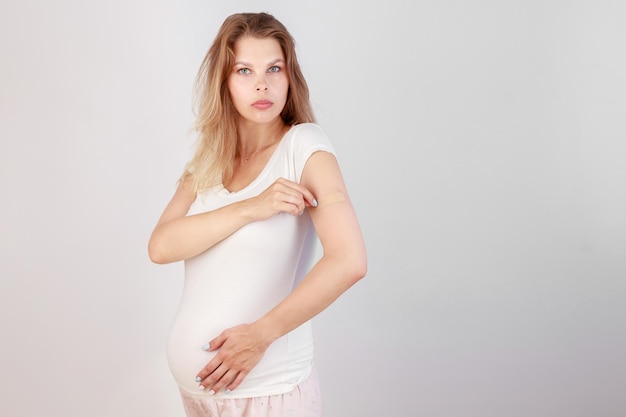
x=177 y=236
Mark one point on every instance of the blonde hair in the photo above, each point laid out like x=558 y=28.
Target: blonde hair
x=216 y=116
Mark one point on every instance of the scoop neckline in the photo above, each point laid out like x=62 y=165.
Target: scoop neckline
x=263 y=173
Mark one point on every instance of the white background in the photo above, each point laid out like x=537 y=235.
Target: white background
x=484 y=146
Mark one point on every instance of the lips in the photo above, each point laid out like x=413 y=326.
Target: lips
x=262 y=104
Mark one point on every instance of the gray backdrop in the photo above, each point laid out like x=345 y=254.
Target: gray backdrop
x=483 y=143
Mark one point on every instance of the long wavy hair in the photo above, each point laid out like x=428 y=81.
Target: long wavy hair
x=216 y=116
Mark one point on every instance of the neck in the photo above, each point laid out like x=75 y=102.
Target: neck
x=256 y=138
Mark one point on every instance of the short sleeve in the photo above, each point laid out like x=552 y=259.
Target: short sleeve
x=307 y=139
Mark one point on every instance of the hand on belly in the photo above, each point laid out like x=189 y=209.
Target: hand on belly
x=239 y=349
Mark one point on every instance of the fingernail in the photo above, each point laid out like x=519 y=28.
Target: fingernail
x=314 y=203
x=227 y=391
x=206 y=347
x=301 y=213
x=198 y=379
x=200 y=387
x=211 y=392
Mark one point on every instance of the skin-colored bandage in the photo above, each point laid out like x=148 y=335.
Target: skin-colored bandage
x=331 y=198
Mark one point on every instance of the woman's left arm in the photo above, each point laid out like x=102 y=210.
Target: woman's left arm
x=342 y=264
x=344 y=259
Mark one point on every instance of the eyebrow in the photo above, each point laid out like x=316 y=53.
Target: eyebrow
x=274 y=62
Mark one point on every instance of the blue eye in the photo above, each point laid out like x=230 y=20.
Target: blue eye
x=274 y=68
x=244 y=71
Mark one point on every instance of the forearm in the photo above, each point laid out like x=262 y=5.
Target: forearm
x=326 y=281
x=188 y=236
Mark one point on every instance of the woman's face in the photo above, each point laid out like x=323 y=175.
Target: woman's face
x=258 y=83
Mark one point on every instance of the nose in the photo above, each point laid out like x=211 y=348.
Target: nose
x=261 y=84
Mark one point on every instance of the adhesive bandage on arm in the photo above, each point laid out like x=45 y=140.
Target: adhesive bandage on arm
x=331 y=198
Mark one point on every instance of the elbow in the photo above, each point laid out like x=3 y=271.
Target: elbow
x=357 y=268
x=362 y=269
x=156 y=253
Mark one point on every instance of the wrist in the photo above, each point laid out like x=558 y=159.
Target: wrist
x=247 y=211
x=268 y=330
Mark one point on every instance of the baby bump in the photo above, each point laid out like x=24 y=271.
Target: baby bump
x=189 y=332
x=186 y=357
x=199 y=319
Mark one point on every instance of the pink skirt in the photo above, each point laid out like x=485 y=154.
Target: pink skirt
x=303 y=401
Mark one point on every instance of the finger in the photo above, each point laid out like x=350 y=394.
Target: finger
x=238 y=380
x=286 y=187
x=210 y=368
x=227 y=378
x=286 y=199
x=212 y=379
x=305 y=195
x=292 y=203
x=309 y=198
x=301 y=190
x=215 y=343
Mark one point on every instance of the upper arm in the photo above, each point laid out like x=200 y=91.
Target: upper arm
x=334 y=218
x=180 y=202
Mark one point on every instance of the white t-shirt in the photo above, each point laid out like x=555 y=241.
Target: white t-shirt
x=244 y=276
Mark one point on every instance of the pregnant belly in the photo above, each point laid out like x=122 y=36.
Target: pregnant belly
x=199 y=320
x=285 y=363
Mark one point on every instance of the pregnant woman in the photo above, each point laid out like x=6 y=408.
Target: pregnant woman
x=263 y=184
